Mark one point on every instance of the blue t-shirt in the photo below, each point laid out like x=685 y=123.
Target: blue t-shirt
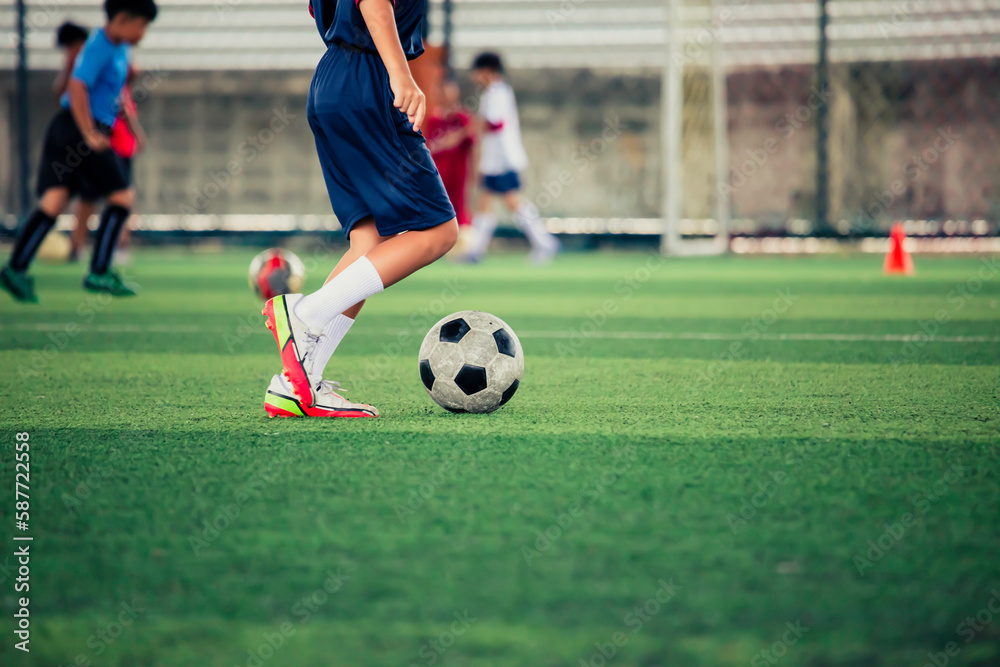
x=341 y=22
x=103 y=67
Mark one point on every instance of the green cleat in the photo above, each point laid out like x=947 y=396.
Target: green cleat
x=21 y=286
x=109 y=282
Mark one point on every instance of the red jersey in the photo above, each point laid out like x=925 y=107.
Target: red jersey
x=453 y=163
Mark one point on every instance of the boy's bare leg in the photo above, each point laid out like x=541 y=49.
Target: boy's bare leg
x=485 y=202
x=385 y=264
x=484 y=224
x=78 y=239
x=125 y=240
x=124 y=198
x=300 y=323
x=407 y=253
x=543 y=244
x=54 y=202
x=512 y=200
x=364 y=237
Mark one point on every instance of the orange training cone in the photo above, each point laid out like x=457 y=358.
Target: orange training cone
x=898 y=260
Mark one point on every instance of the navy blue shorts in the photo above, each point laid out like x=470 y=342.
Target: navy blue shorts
x=373 y=162
x=503 y=183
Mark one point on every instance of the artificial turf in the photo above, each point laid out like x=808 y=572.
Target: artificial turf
x=702 y=455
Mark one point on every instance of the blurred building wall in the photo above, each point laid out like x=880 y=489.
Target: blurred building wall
x=239 y=142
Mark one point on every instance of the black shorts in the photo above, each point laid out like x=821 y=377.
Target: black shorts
x=89 y=193
x=68 y=162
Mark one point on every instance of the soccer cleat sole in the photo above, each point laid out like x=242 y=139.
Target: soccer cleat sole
x=273 y=412
x=291 y=367
x=280 y=405
x=340 y=414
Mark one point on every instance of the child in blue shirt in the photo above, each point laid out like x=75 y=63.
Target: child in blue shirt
x=77 y=151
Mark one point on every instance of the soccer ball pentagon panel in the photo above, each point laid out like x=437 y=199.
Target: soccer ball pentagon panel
x=471 y=362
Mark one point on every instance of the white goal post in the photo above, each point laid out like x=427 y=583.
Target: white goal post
x=693 y=51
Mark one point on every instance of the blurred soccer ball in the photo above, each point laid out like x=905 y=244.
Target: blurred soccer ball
x=275 y=272
x=55 y=248
x=471 y=362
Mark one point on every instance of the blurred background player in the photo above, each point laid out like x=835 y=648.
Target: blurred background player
x=70 y=37
x=451 y=137
x=127 y=139
x=82 y=130
x=502 y=160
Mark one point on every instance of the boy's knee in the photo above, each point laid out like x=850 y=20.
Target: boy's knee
x=364 y=237
x=448 y=236
x=53 y=201
x=123 y=198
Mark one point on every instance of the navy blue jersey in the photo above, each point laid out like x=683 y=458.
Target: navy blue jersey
x=341 y=22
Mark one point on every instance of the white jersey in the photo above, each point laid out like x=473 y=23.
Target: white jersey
x=502 y=149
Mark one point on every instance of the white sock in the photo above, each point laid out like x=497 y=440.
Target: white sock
x=483 y=226
x=354 y=284
x=334 y=332
x=533 y=227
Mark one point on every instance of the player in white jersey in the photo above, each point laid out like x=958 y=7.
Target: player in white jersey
x=502 y=159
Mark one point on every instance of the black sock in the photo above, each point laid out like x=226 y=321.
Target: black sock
x=29 y=239
x=112 y=220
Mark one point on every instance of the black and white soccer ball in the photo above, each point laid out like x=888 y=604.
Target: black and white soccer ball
x=471 y=362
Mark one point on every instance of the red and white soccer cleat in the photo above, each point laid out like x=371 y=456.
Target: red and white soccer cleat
x=281 y=401
x=296 y=344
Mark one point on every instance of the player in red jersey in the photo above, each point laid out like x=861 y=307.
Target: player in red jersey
x=451 y=138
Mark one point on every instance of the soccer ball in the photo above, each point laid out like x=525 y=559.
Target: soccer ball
x=471 y=362
x=275 y=272
x=55 y=248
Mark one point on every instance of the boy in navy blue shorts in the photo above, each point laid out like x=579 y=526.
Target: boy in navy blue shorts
x=365 y=111
x=77 y=152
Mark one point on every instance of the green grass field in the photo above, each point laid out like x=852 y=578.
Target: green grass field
x=703 y=454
